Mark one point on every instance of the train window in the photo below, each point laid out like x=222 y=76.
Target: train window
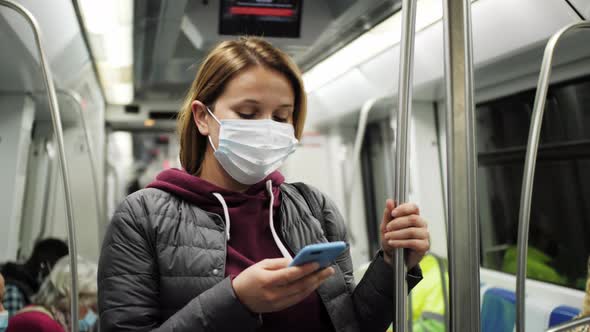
x=560 y=211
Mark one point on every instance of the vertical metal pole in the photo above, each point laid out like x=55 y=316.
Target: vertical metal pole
x=463 y=237
x=401 y=159
x=91 y=156
x=472 y=162
x=56 y=121
x=526 y=195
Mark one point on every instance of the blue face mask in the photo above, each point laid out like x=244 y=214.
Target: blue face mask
x=88 y=321
x=3 y=321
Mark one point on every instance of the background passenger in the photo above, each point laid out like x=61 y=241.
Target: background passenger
x=3 y=312
x=23 y=280
x=50 y=311
x=207 y=248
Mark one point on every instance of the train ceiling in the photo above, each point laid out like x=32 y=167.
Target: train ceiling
x=170 y=38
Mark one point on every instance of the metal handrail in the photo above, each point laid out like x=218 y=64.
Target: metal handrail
x=56 y=121
x=401 y=152
x=91 y=156
x=459 y=89
x=356 y=156
x=529 y=168
x=570 y=325
x=461 y=171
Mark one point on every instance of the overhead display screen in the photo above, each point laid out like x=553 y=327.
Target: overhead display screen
x=267 y=18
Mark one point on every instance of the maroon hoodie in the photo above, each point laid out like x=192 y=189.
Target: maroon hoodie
x=251 y=239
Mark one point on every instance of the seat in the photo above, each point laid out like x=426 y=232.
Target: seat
x=498 y=310
x=562 y=314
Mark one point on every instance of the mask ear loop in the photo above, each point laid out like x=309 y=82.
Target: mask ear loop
x=209 y=136
x=213 y=115
x=211 y=143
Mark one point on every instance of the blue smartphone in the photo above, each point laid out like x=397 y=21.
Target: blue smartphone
x=322 y=253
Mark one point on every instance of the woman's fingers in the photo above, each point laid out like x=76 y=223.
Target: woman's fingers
x=403 y=227
x=275 y=263
x=389 y=206
x=296 y=292
x=261 y=286
x=405 y=222
x=310 y=281
x=405 y=210
x=290 y=274
x=407 y=234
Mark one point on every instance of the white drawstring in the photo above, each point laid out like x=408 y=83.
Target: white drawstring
x=278 y=242
x=225 y=213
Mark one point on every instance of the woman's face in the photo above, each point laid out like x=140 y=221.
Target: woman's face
x=254 y=94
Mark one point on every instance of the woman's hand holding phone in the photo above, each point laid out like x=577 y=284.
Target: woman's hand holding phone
x=272 y=285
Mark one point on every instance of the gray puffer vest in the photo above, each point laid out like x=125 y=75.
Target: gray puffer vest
x=162 y=268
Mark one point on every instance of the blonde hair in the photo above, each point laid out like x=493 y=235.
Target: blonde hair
x=56 y=288
x=226 y=60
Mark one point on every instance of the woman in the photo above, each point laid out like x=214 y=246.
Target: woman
x=50 y=311
x=207 y=248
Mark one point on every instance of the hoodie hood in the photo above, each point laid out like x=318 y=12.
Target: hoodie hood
x=249 y=214
x=200 y=192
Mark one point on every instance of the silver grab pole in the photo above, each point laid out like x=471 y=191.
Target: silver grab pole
x=56 y=121
x=526 y=195
x=463 y=240
x=401 y=152
x=472 y=164
x=356 y=156
x=91 y=156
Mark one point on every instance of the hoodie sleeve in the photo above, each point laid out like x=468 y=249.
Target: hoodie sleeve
x=128 y=286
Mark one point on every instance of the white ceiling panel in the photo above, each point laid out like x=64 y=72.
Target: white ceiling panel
x=18 y=68
x=383 y=71
x=57 y=21
x=503 y=27
x=428 y=55
x=343 y=95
